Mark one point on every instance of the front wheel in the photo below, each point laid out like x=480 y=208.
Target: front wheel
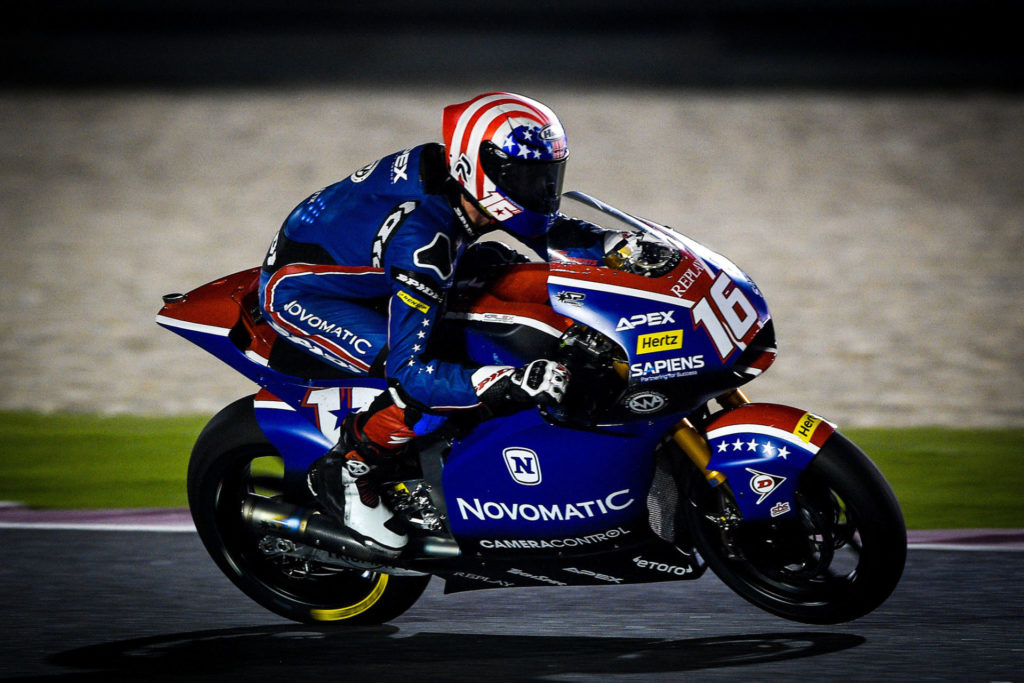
x=838 y=558
x=231 y=460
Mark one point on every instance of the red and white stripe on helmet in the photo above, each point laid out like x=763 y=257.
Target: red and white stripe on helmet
x=495 y=117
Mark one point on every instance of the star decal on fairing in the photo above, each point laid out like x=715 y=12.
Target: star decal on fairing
x=768 y=449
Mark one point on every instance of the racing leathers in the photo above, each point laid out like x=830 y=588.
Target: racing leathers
x=358 y=275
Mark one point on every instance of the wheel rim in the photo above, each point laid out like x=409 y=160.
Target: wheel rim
x=328 y=593
x=811 y=558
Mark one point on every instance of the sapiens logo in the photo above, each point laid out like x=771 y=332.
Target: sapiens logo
x=523 y=465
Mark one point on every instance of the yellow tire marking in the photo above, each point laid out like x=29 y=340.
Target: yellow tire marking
x=353 y=610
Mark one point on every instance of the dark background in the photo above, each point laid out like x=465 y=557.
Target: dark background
x=729 y=44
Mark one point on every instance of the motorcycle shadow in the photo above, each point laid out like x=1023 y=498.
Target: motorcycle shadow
x=383 y=653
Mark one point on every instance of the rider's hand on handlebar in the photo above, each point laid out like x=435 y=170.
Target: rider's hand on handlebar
x=542 y=382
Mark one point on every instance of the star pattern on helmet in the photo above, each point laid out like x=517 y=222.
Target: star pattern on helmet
x=524 y=142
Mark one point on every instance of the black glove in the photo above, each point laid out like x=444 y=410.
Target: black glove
x=541 y=382
x=481 y=263
x=491 y=254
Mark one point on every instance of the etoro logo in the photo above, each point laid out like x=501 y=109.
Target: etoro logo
x=523 y=465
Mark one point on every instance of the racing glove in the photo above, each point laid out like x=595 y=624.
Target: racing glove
x=503 y=387
x=481 y=264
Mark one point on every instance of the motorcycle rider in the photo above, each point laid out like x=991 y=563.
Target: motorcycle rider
x=359 y=271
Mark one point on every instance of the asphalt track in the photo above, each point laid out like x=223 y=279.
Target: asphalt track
x=103 y=602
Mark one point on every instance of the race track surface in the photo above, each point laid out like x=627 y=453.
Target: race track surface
x=140 y=605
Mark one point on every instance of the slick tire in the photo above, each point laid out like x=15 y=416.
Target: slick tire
x=229 y=461
x=837 y=559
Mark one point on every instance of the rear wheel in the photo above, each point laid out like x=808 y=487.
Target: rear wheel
x=836 y=559
x=231 y=460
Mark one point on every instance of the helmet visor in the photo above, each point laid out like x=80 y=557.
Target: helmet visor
x=534 y=185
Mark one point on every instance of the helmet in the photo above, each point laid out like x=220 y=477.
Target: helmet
x=508 y=152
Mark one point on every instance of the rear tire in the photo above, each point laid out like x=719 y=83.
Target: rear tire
x=838 y=558
x=231 y=459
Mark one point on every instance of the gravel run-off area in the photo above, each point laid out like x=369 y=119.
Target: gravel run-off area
x=886 y=230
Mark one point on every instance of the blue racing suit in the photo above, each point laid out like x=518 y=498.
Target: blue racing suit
x=359 y=269
x=358 y=273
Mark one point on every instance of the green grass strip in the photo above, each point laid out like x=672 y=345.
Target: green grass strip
x=951 y=478
x=943 y=478
x=84 y=461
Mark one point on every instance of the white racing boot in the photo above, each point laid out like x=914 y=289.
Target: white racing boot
x=365 y=513
x=344 y=486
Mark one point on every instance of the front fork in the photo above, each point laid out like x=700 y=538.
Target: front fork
x=695 y=446
x=693 y=443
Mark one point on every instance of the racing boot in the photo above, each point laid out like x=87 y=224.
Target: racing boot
x=345 y=485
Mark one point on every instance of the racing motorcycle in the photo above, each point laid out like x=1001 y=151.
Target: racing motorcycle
x=655 y=467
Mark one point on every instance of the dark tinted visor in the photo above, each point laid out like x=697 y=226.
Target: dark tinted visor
x=535 y=185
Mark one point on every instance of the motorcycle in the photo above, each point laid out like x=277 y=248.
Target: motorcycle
x=655 y=467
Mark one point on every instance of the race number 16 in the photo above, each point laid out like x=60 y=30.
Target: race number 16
x=727 y=317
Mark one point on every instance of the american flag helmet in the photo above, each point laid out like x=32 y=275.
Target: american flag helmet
x=508 y=152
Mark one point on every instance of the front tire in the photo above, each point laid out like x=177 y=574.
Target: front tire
x=838 y=558
x=232 y=459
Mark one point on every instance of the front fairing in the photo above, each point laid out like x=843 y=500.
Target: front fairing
x=695 y=332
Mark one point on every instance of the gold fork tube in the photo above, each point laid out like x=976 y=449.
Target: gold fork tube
x=696 y=448
x=733 y=399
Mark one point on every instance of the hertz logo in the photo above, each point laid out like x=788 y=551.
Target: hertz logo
x=805 y=427
x=659 y=341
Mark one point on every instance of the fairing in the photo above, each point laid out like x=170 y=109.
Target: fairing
x=762 y=449
x=692 y=334
x=687 y=336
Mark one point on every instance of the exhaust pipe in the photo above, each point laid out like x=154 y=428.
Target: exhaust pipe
x=311 y=528
x=305 y=526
